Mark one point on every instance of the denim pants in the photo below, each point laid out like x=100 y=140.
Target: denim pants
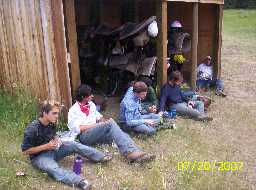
x=143 y=128
x=106 y=133
x=47 y=161
x=183 y=109
x=210 y=83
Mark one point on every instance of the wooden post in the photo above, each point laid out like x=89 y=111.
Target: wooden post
x=217 y=65
x=194 y=46
x=71 y=34
x=61 y=52
x=161 y=44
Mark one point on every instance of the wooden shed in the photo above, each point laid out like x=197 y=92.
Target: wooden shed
x=38 y=38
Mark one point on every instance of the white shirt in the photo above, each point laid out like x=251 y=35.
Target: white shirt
x=76 y=118
x=204 y=71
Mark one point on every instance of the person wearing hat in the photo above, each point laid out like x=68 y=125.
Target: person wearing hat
x=205 y=77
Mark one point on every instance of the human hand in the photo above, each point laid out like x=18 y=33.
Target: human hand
x=191 y=104
x=152 y=109
x=53 y=144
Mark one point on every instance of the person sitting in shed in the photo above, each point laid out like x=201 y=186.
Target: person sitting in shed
x=131 y=116
x=205 y=77
x=171 y=96
x=149 y=104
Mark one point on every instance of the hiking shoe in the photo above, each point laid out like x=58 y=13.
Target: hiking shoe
x=220 y=93
x=85 y=185
x=140 y=157
x=204 y=118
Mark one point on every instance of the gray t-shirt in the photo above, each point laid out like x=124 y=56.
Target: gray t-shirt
x=37 y=134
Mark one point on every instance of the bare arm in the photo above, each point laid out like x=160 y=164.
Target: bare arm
x=37 y=149
x=86 y=127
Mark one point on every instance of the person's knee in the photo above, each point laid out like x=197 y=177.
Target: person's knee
x=151 y=132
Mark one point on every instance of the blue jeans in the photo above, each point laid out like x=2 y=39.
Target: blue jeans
x=219 y=84
x=143 y=128
x=106 y=133
x=183 y=109
x=47 y=161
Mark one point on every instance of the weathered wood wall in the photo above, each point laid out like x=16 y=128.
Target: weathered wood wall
x=32 y=48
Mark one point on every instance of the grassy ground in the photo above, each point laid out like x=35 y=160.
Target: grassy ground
x=230 y=137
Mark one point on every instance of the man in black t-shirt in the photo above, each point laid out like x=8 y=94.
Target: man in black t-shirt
x=45 y=148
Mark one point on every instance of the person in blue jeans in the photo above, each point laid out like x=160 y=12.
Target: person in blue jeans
x=131 y=116
x=45 y=149
x=92 y=128
x=171 y=96
x=205 y=77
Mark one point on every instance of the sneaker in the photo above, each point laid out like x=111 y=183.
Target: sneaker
x=204 y=118
x=108 y=157
x=85 y=185
x=220 y=93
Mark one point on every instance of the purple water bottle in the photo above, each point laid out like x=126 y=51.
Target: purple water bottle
x=77 y=167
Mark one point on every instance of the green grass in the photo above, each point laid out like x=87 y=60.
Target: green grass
x=230 y=137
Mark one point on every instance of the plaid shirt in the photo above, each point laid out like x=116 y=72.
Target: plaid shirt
x=130 y=109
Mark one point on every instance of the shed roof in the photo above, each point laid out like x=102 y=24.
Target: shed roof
x=202 y=1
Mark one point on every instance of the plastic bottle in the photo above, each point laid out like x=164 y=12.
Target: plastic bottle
x=77 y=167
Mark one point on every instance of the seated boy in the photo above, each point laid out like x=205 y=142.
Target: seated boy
x=46 y=149
x=171 y=93
x=131 y=115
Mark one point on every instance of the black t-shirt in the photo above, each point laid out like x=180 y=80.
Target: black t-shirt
x=37 y=134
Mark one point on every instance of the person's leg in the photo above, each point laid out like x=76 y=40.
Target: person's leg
x=68 y=148
x=124 y=142
x=108 y=132
x=219 y=87
x=144 y=129
x=219 y=84
x=46 y=163
x=155 y=117
x=201 y=83
x=183 y=109
x=96 y=135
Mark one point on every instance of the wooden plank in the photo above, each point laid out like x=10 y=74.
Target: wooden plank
x=212 y=1
x=200 y=1
x=40 y=51
x=2 y=47
x=217 y=66
x=71 y=34
x=188 y=1
x=49 y=49
x=61 y=52
x=28 y=53
x=162 y=44
x=194 y=45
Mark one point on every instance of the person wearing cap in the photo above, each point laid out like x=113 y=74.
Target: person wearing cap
x=131 y=116
x=205 y=77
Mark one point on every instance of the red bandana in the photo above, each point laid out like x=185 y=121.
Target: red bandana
x=85 y=108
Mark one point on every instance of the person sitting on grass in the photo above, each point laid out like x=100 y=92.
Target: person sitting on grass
x=92 y=128
x=131 y=116
x=205 y=77
x=172 y=94
x=45 y=148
